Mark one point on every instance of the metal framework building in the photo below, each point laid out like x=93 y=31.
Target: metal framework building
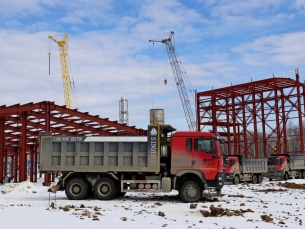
x=21 y=124
x=254 y=116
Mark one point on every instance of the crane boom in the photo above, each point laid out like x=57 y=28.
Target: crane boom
x=178 y=74
x=63 y=49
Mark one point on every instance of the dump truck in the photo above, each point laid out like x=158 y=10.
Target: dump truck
x=109 y=166
x=286 y=166
x=237 y=168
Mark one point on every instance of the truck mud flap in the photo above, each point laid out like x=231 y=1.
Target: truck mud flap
x=220 y=178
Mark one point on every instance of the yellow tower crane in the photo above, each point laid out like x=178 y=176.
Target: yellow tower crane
x=63 y=49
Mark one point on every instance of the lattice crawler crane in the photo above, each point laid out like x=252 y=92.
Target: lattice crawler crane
x=179 y=74
x=63 y=49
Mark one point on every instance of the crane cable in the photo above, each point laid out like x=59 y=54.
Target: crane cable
x=73 y=88
x=165 y=64
x=152 y=75
x=49 y=52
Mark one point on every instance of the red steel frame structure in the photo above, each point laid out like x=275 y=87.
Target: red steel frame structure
x=253 y=116
x=21 y=124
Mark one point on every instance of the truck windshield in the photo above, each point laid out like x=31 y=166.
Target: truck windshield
x=206 y=145
x=225 y=161
x=273 y=161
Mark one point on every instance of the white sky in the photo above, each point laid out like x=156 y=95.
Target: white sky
x=26 y=205
x=218 y=42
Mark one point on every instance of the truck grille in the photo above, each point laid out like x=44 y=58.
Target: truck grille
x=272 y=168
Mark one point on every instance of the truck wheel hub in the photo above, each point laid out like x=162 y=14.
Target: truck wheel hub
x=104 y=189
x=76 y=189
x=191 y=192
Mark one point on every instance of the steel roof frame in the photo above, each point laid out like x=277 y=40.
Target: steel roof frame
x=21 y=124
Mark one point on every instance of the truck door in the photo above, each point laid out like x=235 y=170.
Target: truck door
x=283 y=164
x=204 y=157
x=234 y=165
x=181 y=154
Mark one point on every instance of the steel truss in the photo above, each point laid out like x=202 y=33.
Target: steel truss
x=21 y=124
x=254 y=116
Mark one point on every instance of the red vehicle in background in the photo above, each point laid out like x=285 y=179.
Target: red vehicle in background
x=236 y=169
x=285 y=166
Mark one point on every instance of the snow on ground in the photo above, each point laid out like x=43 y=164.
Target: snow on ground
x=276 y=204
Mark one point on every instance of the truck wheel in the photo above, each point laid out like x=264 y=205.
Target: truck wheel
x=260 y=178
x=190 y=192
x=286 y=177
x=254 y=179
x=104 y=189
x=299 y=174
x=270 y=179
x=236 y=179
x=76 y=189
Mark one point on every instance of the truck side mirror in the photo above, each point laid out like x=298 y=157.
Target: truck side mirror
x=222 y=140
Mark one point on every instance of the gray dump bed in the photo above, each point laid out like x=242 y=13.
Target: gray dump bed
x=98 y=154
x=297 y=161
x=254 y=166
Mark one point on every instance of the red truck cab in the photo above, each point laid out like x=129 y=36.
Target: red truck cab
x=277 y=165
x=196 y=155
x=230 y=165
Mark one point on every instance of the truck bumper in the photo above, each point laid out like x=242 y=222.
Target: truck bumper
x=275 y=174
x=228 y=177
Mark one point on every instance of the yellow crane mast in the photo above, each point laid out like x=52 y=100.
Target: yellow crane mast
x=63 y=49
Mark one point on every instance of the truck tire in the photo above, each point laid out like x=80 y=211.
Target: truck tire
x=190 y=192
x=300 y=174
x=260 y=178
x=76 y=189
x=303 y=174
x=254 y=179
x=104 y=189
x=286 y=177
x=270 y=179
x=236 y=179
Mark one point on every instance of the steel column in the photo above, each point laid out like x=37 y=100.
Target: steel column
x=228 y=126
x=1 y=148
x=35 y=163
x=299 y=111
x=283 y=131
x=47 y=176
x=5 y=164
x=263 y=124
x=23 y=156
x=234 y=120
x=16 y=165
x=254 y=115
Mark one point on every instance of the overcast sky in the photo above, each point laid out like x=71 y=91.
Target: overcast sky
x=219 y=43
